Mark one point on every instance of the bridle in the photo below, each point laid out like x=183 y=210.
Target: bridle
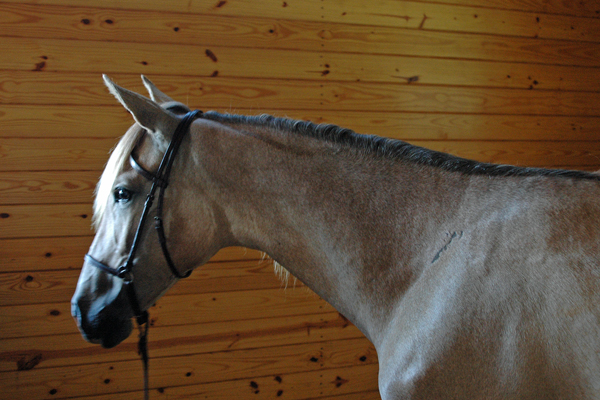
x=160 y=179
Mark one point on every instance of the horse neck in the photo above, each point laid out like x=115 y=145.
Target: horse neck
x=345 y=225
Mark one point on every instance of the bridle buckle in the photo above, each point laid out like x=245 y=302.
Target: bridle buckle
x=125 y=273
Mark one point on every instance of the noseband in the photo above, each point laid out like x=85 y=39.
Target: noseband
x=160 y=179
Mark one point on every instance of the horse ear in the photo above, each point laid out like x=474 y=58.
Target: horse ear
x=155 y=93
x=159 y=122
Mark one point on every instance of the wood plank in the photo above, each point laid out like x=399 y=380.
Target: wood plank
x=47 y=220
x=19 y=354
x=137 y=26
x=369 y=395
x=227 y=390
x=322 y=385
x=357 y=96
x=23 y=87
x=333 y=359
x=423 y=43
x=265 y=94
x=37 y=287
x=58 y=55
x=32 y=287
x=23 y=121
x=64 y=253
x=43 y=187
x=58 y=121
x=171 y=310
x=38 y=254
x=588 y=9
x=408 y=14
x=424 y=15
x=72 y=154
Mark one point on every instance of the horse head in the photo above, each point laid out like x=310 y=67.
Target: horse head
x=120 y=279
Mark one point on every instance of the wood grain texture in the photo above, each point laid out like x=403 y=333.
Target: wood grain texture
x=60 y=121
x=38 y=154
x=120 y=376
x=229 y=94
x=58 y=55
x=43 y=187
x=37 y=287
x=40 y=319
x=16 y=354
x=48 y=220
x=62 y=253
x=323 y=385
x=407 y=14
x=143 y=26
x=446 y=126
x=588 y=9
x=39 y=254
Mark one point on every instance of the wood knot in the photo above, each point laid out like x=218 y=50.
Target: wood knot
x=29 y=362
x=211 y=55
x=339 y=381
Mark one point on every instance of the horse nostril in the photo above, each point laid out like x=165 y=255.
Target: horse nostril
x=75 y=310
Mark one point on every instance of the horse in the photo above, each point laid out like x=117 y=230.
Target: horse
x=472 y=280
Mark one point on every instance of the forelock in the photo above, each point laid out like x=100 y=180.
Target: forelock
x=116 y=163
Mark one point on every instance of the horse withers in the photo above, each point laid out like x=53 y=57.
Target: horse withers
x=472 y=280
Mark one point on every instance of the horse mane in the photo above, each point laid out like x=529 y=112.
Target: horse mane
x=393 y=149
x=119 y=157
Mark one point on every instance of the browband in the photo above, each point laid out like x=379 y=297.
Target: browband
x=144 y=172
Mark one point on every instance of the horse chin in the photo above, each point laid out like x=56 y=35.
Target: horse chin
x=108 y=332
x=116 y=334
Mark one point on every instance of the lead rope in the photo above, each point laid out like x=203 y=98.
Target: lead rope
x=143 y=348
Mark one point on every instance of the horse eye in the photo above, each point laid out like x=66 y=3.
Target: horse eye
x=122 y=195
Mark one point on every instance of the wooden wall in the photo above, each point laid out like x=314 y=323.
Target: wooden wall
x=508 y=81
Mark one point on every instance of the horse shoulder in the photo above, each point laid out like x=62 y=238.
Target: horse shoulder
x=427 y=324
x=471 y=327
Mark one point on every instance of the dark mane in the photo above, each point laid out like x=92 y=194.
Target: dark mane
x=391 y=148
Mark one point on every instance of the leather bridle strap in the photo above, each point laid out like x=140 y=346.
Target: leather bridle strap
x=161 y=180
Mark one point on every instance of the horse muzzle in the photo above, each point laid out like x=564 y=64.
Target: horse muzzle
x=101 y=327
